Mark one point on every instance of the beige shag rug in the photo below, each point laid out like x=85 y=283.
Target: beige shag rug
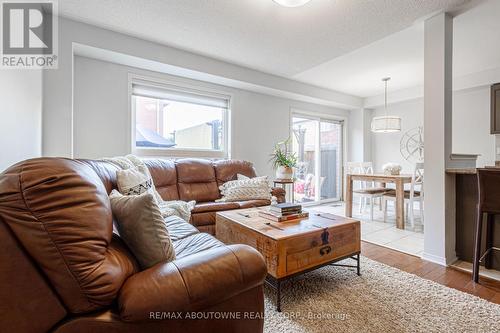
x=382 y=300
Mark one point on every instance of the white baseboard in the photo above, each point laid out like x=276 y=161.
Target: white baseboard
x=435 y=259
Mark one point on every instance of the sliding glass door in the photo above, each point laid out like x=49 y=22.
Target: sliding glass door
x=305 y=146
x=318 y=143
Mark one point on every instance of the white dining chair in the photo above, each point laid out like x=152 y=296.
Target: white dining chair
x=366 y=191
x=415 y=194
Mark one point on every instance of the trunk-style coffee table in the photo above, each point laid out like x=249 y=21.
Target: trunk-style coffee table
x=295 y=247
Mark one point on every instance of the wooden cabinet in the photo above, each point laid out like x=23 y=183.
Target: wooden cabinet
x=495 y=109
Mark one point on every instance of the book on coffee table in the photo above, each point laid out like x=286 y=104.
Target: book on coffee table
x=283 y=218
x=285 y=208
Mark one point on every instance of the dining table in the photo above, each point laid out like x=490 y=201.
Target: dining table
x=383 y=180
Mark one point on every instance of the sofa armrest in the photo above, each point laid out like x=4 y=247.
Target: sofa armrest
x=279 y=193
x=191 y=283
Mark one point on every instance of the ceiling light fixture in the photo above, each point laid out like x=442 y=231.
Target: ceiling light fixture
x=385 y=123
x=291 y=3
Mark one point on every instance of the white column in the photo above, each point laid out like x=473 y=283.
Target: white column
x=439 y=240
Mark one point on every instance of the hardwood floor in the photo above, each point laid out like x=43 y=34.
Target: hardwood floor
x=486 y=289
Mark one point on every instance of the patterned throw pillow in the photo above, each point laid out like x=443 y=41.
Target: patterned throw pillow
x=134 y=181
x=245 y=189
x=137 y=180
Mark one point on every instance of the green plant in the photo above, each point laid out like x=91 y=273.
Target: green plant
x=282 y=156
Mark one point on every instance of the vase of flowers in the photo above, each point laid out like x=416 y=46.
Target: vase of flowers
x=392 y=169
x=283 y=160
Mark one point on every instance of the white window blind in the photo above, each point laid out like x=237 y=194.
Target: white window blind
x=172 y=120
x=186 y=96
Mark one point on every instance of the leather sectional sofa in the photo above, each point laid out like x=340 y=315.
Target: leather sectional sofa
x=196 y=179
x=64 y=269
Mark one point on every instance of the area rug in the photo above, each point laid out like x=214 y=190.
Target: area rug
x=383 y=300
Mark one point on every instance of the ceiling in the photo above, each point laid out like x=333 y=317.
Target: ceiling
x=318 y=43
x=401 y=56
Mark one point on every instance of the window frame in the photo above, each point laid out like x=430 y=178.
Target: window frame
x=172 y=85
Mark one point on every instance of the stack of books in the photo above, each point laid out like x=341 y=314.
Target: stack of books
x=284 y=212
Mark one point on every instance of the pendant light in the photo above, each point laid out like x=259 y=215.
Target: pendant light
x=291 y=3
x=385 y=123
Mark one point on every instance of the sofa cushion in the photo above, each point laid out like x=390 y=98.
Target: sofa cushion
x=59 y=210
x=193 y=170
x=178 y=228
x=199 y=192
x=214 y=206
x=199 y=283
x=24 y=290
x=164 y=176
x=226 y=170
x=142 y=228
x=194 y=244
x=196 y=180
x=106 y=172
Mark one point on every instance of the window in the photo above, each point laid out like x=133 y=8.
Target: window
x=179 y=122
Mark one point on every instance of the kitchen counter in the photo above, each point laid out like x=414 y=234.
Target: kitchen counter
x=468 y=171
x=462 y=171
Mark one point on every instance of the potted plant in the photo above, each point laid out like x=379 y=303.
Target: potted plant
x=283 y=160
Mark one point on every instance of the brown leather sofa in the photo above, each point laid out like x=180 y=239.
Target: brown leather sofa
x=197 y=179
x=63 y=269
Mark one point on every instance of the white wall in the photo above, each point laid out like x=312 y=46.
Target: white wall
x=102 y=120
x=359 y=136
x=471 y=124
x=471 y=128
x=385 y=146
x=357 y=133
x=73 y=36
x=20 y=115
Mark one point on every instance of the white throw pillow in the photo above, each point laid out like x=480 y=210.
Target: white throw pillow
x=134 y=181
x=246 y=189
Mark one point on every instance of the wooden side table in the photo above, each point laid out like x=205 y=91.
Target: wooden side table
x=284 y=183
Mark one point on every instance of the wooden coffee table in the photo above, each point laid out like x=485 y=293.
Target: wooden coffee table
x=295 y=247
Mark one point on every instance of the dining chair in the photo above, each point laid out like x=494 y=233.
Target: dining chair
x=415 y=194
x=366 y=190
